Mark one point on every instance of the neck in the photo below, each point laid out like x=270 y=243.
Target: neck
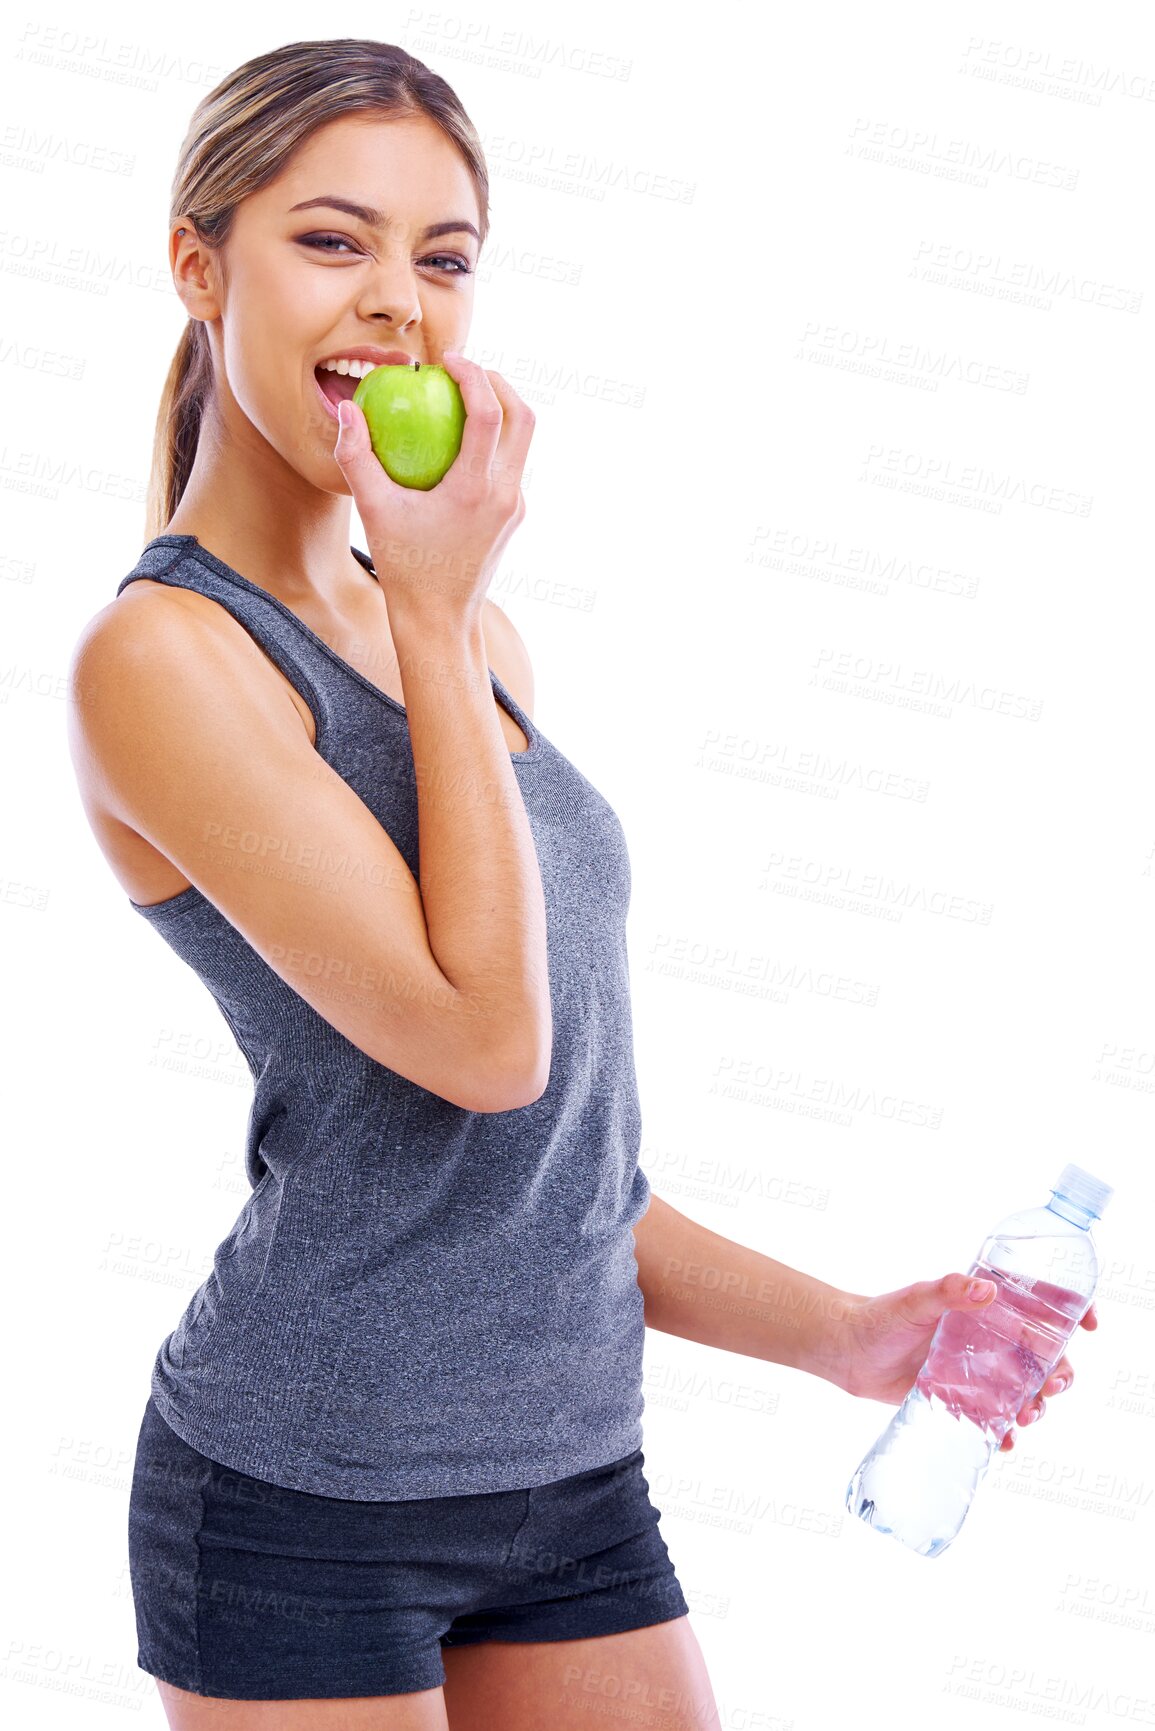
x=1068 y=1210
x=244 y=503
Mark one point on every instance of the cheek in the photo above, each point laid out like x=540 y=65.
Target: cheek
x=257 y=346
x=269 y=339
x=258 y=373
x=450 y=311
x=271 y=328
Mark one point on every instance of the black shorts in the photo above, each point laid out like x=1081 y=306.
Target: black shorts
x=250 y=1591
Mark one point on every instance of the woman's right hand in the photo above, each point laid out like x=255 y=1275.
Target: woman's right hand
x=436 y=551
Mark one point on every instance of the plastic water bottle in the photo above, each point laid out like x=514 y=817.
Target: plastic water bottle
x=918 y=1480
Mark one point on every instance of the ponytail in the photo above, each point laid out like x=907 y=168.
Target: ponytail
x=178 y=423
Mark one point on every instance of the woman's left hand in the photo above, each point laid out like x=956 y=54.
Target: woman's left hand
x=880 y=1344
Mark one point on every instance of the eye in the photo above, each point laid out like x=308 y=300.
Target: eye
x=464 y=268
x=449 y=263
x=317 y=241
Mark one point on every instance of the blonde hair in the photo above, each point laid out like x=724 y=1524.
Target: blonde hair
x=240 y=137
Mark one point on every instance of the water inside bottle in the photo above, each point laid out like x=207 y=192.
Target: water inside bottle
x=983 y=1366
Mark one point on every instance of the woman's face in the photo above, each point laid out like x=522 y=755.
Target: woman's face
x=304 y=286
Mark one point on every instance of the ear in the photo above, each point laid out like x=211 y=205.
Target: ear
x=194 y=272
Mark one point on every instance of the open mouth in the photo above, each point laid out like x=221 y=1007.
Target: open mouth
x=338 y=387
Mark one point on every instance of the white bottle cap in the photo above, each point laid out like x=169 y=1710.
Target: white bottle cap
x=1086 y=1192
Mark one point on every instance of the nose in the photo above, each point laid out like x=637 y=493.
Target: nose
x=390 y=296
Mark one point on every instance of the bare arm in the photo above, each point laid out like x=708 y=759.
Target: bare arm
x=480 y=883
x=188 y=737
x=704 y=1287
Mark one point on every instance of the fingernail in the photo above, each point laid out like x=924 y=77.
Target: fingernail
x=345 y=413
x=1031 y=1416
x=978 y=1289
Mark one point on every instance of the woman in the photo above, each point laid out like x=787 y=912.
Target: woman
x=389 y=1472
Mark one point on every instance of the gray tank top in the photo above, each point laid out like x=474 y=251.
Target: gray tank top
x=416 y=1300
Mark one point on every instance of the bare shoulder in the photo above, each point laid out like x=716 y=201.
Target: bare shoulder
x=127 y=629
x=148 y=620
x=508 y=655
x=142 y=617
x=126 y=663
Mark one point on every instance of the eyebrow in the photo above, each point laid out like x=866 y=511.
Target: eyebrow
x=377 y=218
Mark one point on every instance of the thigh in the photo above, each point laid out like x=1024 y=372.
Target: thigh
x=588 y=1620
x=653 y=1679
x=423 y=1710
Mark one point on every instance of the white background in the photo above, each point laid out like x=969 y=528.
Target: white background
x=837 y=326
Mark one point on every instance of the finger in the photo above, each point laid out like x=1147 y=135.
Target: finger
x=482 y=415
x=1033 y=1411
x=352 y=437
x=1060 y=1378
x=1007 y=1443
x=360 y=466
x=517 y=424
x=922 y=1303
x=1091 y=1319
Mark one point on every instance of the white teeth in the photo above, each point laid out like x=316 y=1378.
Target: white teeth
x=358 y=368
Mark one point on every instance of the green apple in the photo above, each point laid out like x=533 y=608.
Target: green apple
x=416 y=416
